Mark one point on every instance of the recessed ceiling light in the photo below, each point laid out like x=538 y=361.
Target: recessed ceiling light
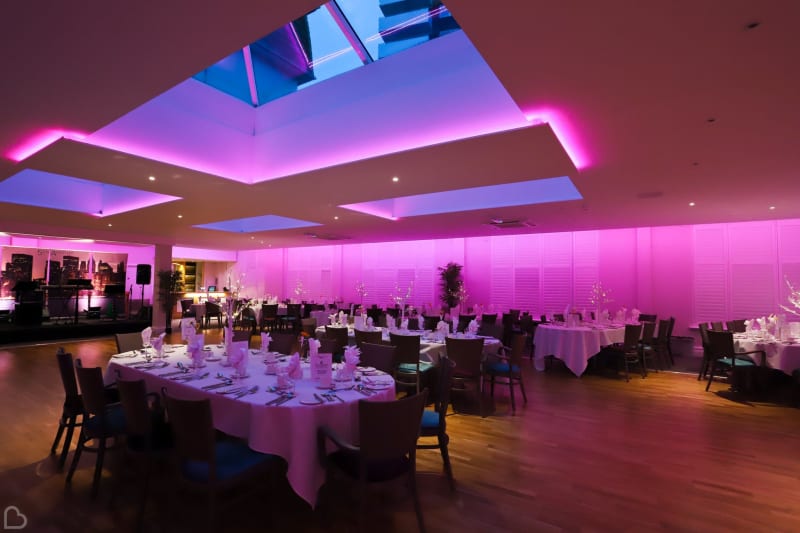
x=336 y=217
x=262 y=242
x=109 y=224
x=395 y=179
x=180 y=216
x=251 y=237
x=152 y=178
x=772 y=208
x=691 y=204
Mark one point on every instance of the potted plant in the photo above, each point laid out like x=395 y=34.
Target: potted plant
x=450 y=275
x=170 y=284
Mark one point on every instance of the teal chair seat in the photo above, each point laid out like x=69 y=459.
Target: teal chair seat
x=232 y=459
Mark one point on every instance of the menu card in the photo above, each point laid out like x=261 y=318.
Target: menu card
x=321 y=368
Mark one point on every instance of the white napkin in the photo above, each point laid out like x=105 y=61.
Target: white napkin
x=294 y=370
x=265 y=340
x=313 y=347
x=370 y=323
x=404 y=324
x=187 y=328
x=195 y=349
x=158 y=344
x=635 y=315
x=244 y=359
x=146 y=334
x=352 y=356
x=473 y=327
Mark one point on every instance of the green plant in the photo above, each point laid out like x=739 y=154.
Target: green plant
x=170 y=283
x=450 y=275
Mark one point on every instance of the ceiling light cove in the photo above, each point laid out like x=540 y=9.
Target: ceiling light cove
x=39 y=141
x=531 y=192
x=44 y=189
x=256 y=224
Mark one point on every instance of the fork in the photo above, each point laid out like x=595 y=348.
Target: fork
x=251 y=390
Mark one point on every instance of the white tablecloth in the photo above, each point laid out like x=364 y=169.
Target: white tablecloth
x=782 y=356
x=574 y=346
x=288 y=430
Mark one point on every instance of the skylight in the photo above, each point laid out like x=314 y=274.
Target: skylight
x=44 y=189
x=259 y=223
x=531 y=192
x=336 y=37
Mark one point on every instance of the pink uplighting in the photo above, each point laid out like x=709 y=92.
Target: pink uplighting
x=39 y=141
x=564 y=131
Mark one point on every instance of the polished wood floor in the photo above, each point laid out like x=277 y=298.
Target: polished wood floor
x=589 y=454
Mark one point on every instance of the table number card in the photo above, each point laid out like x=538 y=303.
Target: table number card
x=321 y=370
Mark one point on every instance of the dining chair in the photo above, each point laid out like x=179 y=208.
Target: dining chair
x=648 y=318
x=309 y=327
x=186 y=307
x=489 y=319
x=101 y=421
x=282 y=343
x=717 y=326
x=210 y=465
x=72 y=408
x=213 y=310
x=434 y=422
x=291 y=320
x=704 y=364
x=528 y=326
x=647 y=350
x=374 y=337
x=661 y=342
x=413 y=324
x=463 y=322
x=628 y=351
x=127 y=342
x=492 y=330
x=378 y=356
x=148 y=436
x=738 y=326
x=246 y=320
x=467 y=354
x=429 y=322
x=239 y=335
x=340 y=335
x=269 y=317
x=386 y=449
x=723 y=356
x=508 y=365
x=409 y=370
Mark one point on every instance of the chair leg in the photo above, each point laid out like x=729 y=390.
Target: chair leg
x=75 y=459
x=522 y=388
x=711 y=374
x=415 y=495
x=627 y=376
x=448 y=469
x=491 y=385
x=98 y=466
x=67 y=441
x=61 y=424
x=511 y=393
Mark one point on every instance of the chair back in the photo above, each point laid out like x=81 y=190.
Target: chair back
x=429 y=322
x=467 y=355
x=186 y=305
x=632 y=334
x=739 y=326
x=339 y=335
x=703 y=327
x=489 y=319
x=663 y=331
x=282 y=343
x=518 y=341
x=67 y=370
x=389 y=430
x=720 y=344
x=463 y=322
x=446 y=367
x=647 y=318
x=92 y=390
x=242 y=335
x=648 y=331
x=193 y=430
x=373 y=337
x=293 y=310
x=413 y=323
x=127 y=342
x=378 y=356
x=492 y=330
x=716 y=326
x=407 y=348
x=527 y=325
x=269 y=310
x=558 y=317
x=309 y=326
x=133 y=397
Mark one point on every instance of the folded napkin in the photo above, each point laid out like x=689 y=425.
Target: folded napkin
x=342 y=318
x=333 y=319
x=635 y=315
x=265 y=340
x=146 y=334
x=404 y=324
x=748 y=326
x=195 y=349
x=187 y=328
x=352 y=357
x=370 y=323
x=241 y=364
x=293 y=369
x=313 y=347
x=473 y=327
x=158 y=344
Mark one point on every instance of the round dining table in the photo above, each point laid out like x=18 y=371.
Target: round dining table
x=573 y=345
x=286 y=429
x=780 y=355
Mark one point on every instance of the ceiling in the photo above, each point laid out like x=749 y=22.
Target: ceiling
x=646 y=106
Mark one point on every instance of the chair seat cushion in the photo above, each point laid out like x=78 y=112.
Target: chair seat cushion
x=411 y=367
x=430 y=419
x=114 y=422
x=501 y=367
x=233 y=459
x=348 y=462
x=739 y=361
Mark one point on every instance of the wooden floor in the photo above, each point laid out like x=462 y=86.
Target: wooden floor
x=589 y=454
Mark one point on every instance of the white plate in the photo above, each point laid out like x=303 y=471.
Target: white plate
x=378 y=386
x=366 y=369
x=213 y=358
x=310 y=402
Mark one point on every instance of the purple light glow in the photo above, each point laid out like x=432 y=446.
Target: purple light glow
x=259 y=223
x=565 y=133
x=39 y=141
x=540 y=191
x=45 y=189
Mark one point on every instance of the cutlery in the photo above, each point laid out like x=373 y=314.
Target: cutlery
x=217 y=385
x=234 y=390
x=168 y=374
x=189 y=378
x=251 y=390
x=333 y=395
x=318 y=398
x=285 y=399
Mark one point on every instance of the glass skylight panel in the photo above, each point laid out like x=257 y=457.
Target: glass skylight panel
x=258 y=223
x=331 y=40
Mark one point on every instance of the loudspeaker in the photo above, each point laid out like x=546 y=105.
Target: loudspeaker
x=143 y=274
